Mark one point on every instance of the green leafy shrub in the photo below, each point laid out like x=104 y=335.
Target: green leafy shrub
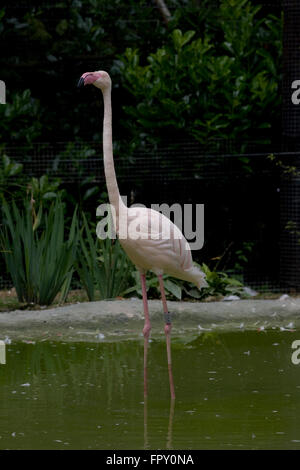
x=78 y=32
x=11 y=178
x=43 y=191
x=173 y=288
x=20 y=118
x=223 y=84
x=219 y=283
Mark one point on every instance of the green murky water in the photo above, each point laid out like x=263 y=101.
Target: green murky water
x=235 y=390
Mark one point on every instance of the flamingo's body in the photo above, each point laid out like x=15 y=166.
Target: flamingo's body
x=148 y=237
x=160 y=246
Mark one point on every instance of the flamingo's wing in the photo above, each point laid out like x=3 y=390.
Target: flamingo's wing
x=154 y=243
x=154 y=237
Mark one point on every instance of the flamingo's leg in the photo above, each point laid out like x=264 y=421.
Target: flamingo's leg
x=146 y=329
x=168 y=327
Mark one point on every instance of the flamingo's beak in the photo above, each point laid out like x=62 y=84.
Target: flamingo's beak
x=80 y=84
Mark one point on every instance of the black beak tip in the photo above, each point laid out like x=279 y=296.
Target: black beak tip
x=80 y=83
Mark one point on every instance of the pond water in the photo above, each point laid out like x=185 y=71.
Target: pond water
x=234 y=390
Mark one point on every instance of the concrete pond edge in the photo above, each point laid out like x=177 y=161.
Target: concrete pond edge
x=124 y=318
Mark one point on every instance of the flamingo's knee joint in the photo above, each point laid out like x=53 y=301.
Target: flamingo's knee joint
x=168 y=327
x=146 y=330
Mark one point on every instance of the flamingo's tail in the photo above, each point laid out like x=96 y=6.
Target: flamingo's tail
x=195 y=275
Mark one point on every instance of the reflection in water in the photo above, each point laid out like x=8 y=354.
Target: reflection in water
x=171 y=381
x=146 y=441
x=234 y=390
x=146 y=444
x=170 y=426
x=145 y=367
x=172 y=405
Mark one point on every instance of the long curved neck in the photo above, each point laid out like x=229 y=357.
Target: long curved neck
x=109 y=168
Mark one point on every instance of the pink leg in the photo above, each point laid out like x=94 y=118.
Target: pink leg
x=168 y=327
x=146 y=329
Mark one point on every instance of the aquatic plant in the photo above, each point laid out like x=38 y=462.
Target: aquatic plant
x=102 y=265
x=37 y=254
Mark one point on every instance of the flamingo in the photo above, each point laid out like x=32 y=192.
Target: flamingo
x=160 y=246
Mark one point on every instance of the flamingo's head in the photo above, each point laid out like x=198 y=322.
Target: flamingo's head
x=100 y=79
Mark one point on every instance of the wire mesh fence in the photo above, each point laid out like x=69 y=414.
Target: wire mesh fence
x=251 y=201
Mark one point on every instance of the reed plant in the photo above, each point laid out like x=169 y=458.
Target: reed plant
x=39 y=257
x=102 y=265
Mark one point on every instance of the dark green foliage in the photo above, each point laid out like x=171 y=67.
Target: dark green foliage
x=219 y=284
x=42 y=190
x=173 y=287
x=102 y=265
x=20 y=117
x=38 y=257
x=10 y=178
x=214 y=72
x=50 y=46
x=223 y=83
